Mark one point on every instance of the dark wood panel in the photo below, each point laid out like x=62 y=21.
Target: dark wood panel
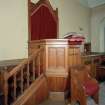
x=57 y=84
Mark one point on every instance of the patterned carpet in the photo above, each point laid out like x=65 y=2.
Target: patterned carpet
x=90 y=101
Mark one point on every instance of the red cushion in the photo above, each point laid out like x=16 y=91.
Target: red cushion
x=91 y=88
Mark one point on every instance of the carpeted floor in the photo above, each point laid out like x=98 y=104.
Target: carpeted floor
x=102 y=94
x=90 y=101
x=50 y=102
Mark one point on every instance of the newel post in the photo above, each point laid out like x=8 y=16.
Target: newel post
x=5 y=79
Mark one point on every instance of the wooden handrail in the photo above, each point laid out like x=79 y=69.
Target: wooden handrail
x=17 y=68
x=22 y=76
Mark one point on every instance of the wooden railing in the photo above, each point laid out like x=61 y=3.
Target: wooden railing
x=16 y=81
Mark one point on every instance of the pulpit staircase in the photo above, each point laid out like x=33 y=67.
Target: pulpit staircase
x=26 y=83
x=43 y=74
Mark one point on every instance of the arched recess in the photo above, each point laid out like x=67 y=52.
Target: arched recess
x=43 y=23
x=102 y=34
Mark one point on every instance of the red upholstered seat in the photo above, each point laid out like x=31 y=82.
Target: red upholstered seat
x=90 y=88
x=83 y=85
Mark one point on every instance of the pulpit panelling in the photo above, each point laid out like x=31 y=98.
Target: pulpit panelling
x=57 y=63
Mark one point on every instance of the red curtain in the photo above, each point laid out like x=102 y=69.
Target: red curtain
x=43 y=24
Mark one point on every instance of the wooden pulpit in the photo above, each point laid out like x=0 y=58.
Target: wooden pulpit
x=55 y=62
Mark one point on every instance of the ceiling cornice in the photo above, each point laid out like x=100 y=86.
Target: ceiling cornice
x=92 y=3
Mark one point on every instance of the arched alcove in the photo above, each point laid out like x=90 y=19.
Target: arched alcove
x=102 y=34
x=43 y=21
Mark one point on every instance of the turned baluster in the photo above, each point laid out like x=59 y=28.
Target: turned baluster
x=33 y=70
x=14 y=87
x=22 y=80
x=39 y=65
x=5 y=77
x=28 y=74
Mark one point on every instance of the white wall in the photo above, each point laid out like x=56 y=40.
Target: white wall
x=97 y=39
x=102 y=35
x=74 y=17
x=13 y=29
x=14 y=24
